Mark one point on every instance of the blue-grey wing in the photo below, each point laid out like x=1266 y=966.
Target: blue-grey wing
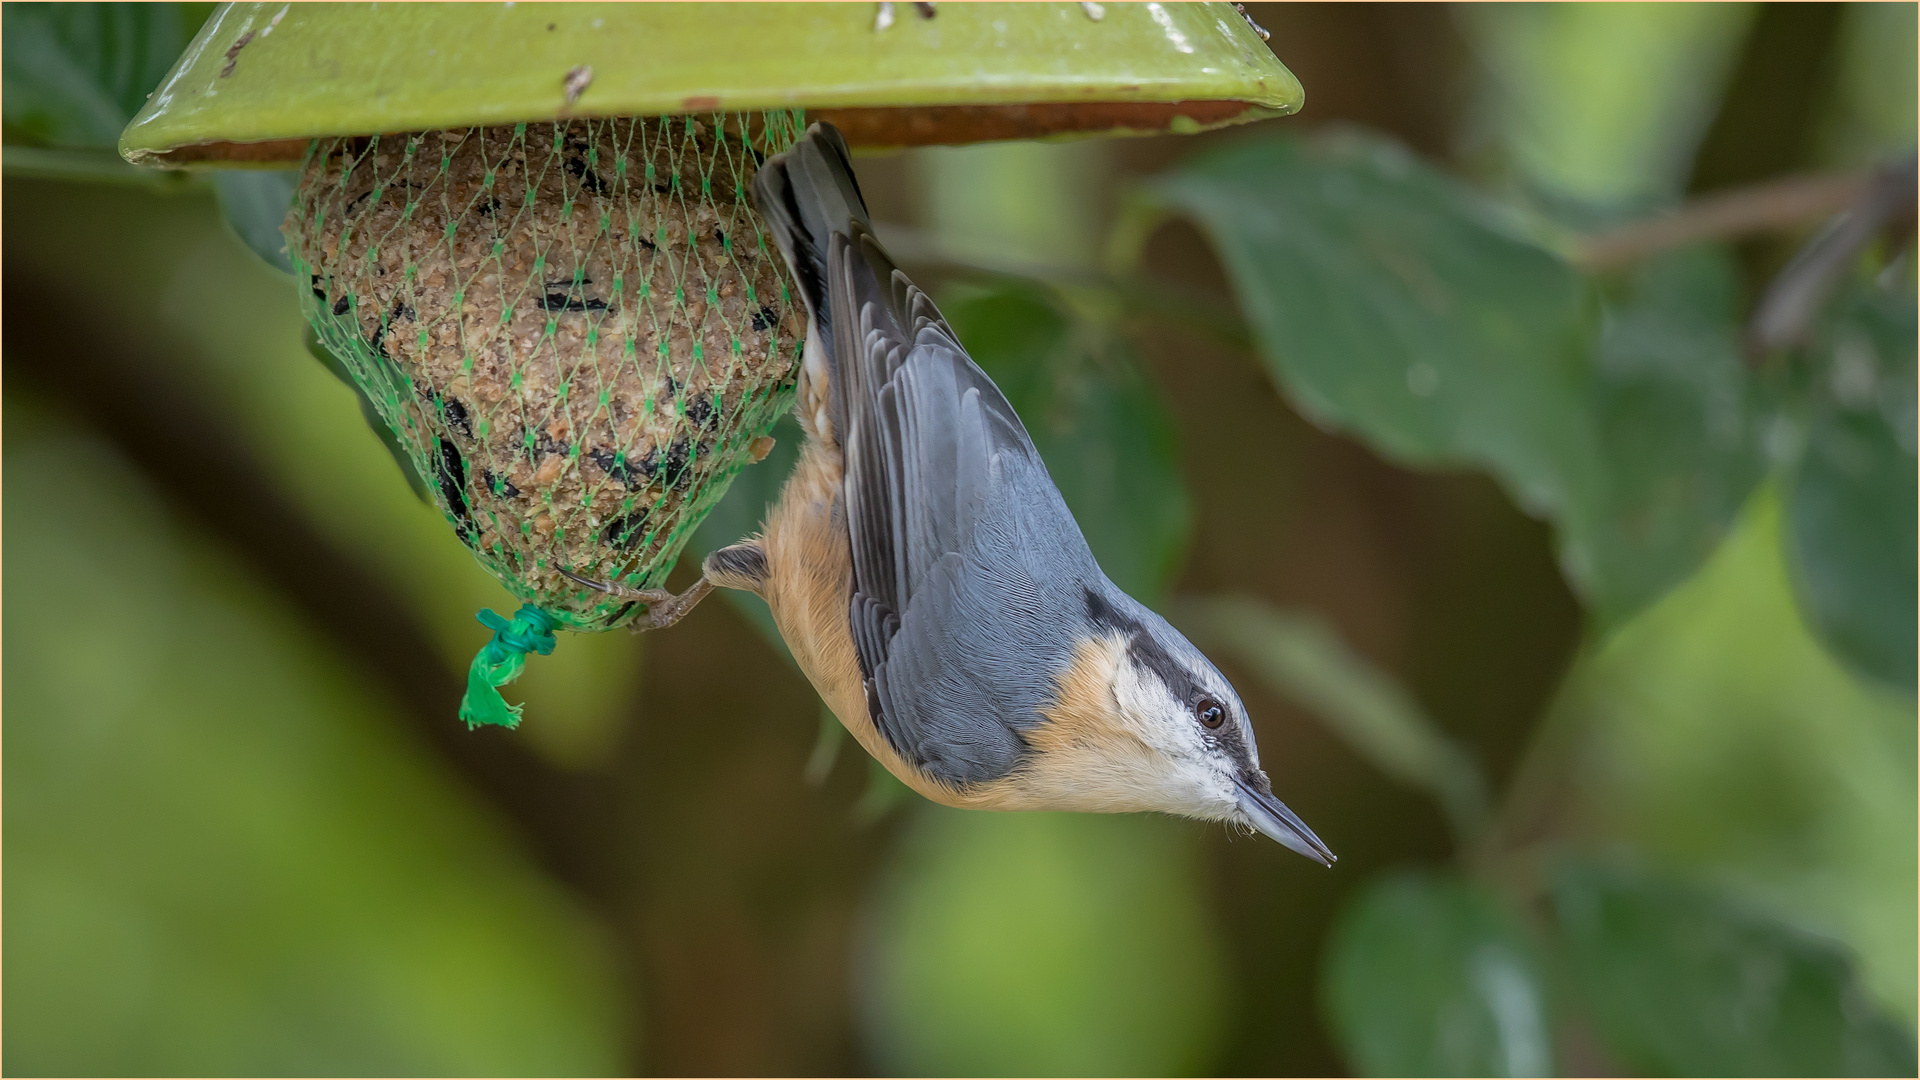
x=967 y=564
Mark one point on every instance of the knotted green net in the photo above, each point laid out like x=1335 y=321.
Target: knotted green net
x=578 y=332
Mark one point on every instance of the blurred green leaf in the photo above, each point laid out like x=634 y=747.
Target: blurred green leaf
x=75 y=74
x=1396 y=304
x=1851 y=509
x=1865 y=124
x=1104 y=431
x=1392 y=303
x=1434 y=976
x=93 y=165
x=1677 y=420
x=1043 y=945
x=1566 y=115
x=222 y=857
x=254 y=202
x=1715 y=732
x=1304 y=660
x=1683 y=982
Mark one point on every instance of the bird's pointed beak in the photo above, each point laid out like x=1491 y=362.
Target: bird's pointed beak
x=1272 y=817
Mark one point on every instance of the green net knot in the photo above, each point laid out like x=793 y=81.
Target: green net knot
x=500 y=661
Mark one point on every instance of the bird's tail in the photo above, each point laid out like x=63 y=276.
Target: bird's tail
x=807 y=194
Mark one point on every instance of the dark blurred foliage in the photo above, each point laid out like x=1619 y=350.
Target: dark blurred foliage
x=1582 y=634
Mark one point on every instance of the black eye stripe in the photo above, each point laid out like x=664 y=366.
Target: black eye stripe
x=1147 y=654
x=1143 y=650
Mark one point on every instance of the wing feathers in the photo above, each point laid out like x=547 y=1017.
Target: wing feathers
x=947 y=503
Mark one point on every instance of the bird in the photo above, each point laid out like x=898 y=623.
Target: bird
x=930 y=581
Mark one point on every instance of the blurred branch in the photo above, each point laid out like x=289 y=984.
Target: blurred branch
x=1302 y=659
x=119 y=382
x=1777 y=205
x=1798 y=293
x=1138 y=294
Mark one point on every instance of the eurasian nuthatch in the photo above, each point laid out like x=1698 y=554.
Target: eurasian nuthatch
x=930 y=581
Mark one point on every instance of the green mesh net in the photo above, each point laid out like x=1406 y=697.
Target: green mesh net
x=578 y=332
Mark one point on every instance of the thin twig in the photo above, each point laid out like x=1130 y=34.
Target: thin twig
x=1776 y=205
x=1796 y=295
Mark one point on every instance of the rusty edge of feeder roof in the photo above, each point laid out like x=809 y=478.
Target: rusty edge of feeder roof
x=260 y=80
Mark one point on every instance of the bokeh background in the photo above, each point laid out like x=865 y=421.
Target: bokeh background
x=244 y=832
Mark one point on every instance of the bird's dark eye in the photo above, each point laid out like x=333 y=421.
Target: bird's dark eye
x=1210 y=712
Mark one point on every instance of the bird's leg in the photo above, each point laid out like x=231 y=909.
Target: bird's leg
x=663 y=608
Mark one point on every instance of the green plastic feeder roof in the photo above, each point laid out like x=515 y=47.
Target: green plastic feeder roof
x=260 y=80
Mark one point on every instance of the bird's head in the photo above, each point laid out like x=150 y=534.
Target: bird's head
x=1141 y=720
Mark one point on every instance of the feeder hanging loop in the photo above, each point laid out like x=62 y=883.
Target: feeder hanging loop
x=500 y=661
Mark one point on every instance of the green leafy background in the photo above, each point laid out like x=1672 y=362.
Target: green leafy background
x=1584 y=637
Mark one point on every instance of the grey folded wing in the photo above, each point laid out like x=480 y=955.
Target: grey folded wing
x=968 y=569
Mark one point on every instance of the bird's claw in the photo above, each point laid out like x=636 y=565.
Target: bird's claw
x=663 y=608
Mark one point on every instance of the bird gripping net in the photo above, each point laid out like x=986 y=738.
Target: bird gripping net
x=578 y=332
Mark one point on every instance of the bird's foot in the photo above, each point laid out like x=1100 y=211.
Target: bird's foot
x=663 y=608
